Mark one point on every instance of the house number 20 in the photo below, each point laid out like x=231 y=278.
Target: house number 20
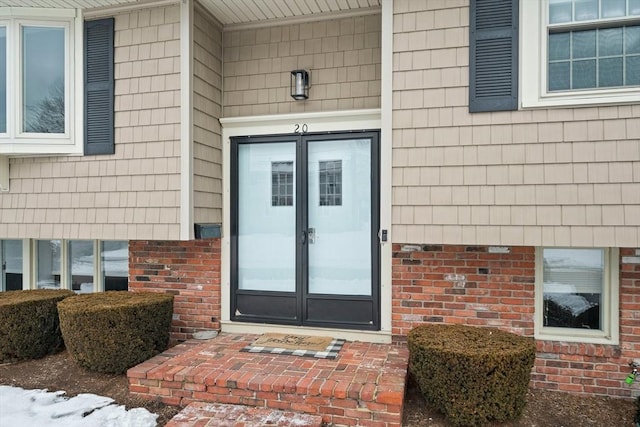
x=301 y=128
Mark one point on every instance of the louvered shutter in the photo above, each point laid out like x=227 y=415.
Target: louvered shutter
x=493 y=55
x=98 y=87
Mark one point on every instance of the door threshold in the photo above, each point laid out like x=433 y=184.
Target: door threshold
x=380 y=337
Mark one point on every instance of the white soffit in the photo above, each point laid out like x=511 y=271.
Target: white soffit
x=230 y=13
x=66 y=4
x=241 y=12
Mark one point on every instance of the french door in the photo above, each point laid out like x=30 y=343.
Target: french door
x=304 y=230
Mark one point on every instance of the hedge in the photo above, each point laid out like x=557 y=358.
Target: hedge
x=472 y=375
x=29 y=325
x=113 y=331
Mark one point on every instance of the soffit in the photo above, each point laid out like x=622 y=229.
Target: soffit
x=238 y=12
x=229 y=12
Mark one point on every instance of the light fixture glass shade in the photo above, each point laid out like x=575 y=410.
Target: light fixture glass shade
x=299 y=84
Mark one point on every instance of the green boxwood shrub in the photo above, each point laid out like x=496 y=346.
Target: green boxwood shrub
x=113 y=331
x=29 y=325
x=472 y=375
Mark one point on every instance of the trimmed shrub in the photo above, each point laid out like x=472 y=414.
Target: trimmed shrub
x=472 y=375
x=113 y=331
x=29 y=325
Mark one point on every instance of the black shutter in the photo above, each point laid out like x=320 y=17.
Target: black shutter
x=493 y=55
x=98 y=87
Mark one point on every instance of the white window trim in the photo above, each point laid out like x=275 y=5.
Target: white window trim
x=14 y=142
x=610 y=333
x=533 y=67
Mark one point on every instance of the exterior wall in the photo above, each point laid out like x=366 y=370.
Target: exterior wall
x=499 y=292
x=207 y=109
x=561 y=177
x=524 y=179
x=135 y=192
x=343 y=56
x=189 y=270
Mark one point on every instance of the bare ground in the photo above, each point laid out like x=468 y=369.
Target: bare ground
x=544 y=408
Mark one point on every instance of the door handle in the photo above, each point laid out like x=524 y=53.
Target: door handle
x=311 y=235
x=303 y=237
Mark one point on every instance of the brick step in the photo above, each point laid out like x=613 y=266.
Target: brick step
x=203 y=414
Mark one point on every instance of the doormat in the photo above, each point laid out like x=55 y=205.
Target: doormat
x=296 y=345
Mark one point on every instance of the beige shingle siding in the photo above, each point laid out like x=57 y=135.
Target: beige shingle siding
x=133 y=194
x=536 y=177
x=343 y=56
x=207 y=108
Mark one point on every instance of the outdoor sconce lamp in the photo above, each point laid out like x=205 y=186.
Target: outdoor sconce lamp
x=300 y=84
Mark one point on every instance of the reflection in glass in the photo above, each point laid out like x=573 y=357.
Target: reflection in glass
x=559 y=11
x=610 y=42
x=573 y=285
x=610 y=72
x=585 y=10
x=81 y=265
x=613 y=8
x=584 y=44
x=115 y=265
x=266 y=232
x=11 y=259
x=584 y=74
x=559 y=77
x=43 y=91
x=48 y=254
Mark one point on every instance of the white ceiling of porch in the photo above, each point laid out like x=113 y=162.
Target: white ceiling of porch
x=228 y=12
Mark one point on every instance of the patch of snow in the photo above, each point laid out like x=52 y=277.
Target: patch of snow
x=54 y=409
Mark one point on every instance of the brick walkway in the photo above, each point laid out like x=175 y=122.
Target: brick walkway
x=364 y=386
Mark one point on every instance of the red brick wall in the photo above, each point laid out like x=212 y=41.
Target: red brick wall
x=190 y=270
x=500 y=292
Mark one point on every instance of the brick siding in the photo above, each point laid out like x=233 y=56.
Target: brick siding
x=500 y=292
x=190 y=270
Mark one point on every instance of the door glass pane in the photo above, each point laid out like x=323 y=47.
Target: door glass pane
x=48 y=257
x=339 y=242
x=81 y=264
x=115 y=265
x=573 y=285
x=11 y=257
x=266 y=217
x=3 y=79
x=43 y=92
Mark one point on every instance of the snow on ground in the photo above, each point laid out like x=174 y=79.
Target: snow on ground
x=19 y=407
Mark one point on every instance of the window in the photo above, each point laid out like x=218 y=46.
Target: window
x=11 y=261
x=115 y=265
x=281 y=183
x=49 y=254
x=580 y=52
x=577 y=295
x=90 y=265
x=38 y=57
x=330 y=183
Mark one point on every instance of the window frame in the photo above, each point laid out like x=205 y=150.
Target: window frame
x=534 y=64
x=610 y=331
x=15 y=140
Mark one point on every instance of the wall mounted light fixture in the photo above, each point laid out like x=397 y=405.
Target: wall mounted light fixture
x=300 y=84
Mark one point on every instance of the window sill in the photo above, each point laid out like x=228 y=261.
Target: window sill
x=575 y=335
x=25 y=148
x=587 y=98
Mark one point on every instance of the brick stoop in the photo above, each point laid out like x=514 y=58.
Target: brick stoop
x=201 y=414
x=363 y=386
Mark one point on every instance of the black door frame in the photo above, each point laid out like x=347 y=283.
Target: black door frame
x=296 y=308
